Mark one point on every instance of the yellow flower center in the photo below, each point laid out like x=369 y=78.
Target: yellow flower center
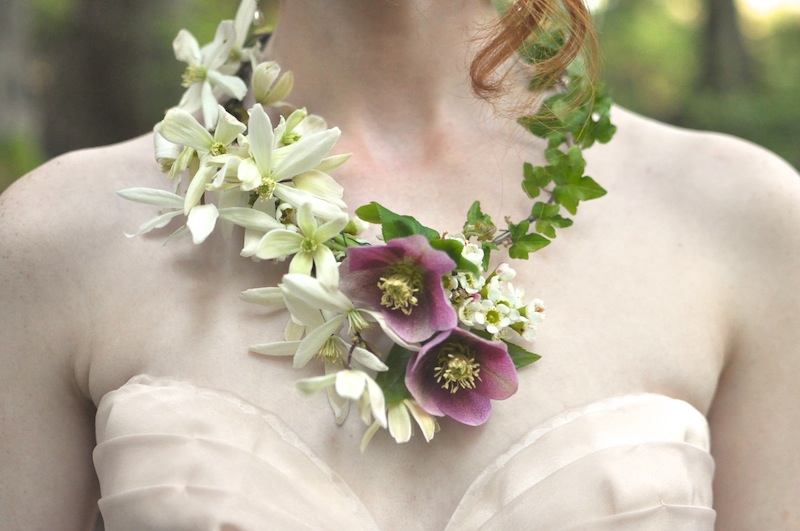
x=356 y=321
x=456 y=367
x=193 y=74
x=267 y=187
x=218 y=148
x=330 y=351
x=401 y=282
x=308 y=245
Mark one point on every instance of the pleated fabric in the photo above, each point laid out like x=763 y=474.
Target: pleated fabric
x=171 y=455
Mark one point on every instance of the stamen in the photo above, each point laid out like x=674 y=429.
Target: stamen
x=267 y=187
x=193 y=74
x=218 y=148
x=456 y=367
x=401 y=282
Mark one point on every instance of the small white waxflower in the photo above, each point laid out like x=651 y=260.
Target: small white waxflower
x=203 y=77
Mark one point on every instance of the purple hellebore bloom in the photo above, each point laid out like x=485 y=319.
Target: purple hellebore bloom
x=458 y=374
x=402 y=280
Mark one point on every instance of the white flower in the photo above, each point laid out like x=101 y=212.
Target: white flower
x=268 y=169
x=241 y=24
x=307 y=246
x=182 y=128
x=353 y=385
x=400 y=422
x=269 y=87
x=202 y=76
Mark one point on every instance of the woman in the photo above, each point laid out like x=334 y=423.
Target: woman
x=680 y=283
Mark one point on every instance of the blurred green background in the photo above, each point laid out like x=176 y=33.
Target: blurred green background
x=77 y=73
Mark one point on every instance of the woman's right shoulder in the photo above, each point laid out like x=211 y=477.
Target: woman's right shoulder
x=60 y=227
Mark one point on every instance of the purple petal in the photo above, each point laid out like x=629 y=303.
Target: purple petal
x=498 y=378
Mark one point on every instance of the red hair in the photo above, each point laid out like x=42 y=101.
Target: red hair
x=525 y=20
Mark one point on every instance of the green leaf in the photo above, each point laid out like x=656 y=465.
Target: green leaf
x=520 y=356
x=478 y=224
x=522 y=246
x=569 y=195
x=394 y=225
x=453 y=249
x=392 y=381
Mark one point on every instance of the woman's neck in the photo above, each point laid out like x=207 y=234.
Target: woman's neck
x=381 y=61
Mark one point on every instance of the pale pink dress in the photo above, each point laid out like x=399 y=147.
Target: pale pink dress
x=174 y=456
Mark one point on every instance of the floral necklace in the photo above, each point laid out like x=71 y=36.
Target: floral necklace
x=458 y=330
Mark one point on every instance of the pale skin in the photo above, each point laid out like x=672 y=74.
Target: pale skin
x=682 y=281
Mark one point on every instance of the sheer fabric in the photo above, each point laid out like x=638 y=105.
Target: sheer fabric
x=171 y=455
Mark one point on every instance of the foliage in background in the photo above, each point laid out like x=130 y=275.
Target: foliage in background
x=105 y=72
x=653 y=53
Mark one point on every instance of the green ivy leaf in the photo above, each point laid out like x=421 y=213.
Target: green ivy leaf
x=393 y=381
x=520 y=356
x=394 y=225
x=569 y=195
x=453 y=249
x=522 y=246
x=478 y=224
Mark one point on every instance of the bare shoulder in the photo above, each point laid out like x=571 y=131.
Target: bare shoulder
x=746 y=201
x=54 y=224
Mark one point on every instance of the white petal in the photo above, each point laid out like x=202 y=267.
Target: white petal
x=301 y=263
x=251 y=240
x=319 y=184
x=306 y=153
x=186 y=48
x=197 y=186
x=306 y=221
x=216 y=53
x=270 y=296
x=328 y=164
x=261 y=139
x=293 y=331
x=250 y=218
x=231 y=85
x=293 y=196
x=152 y=196
x=179 y=233
x=316 y=294
x=201 y=222
x=155 y=223
x=315 y=383
x=243 y=20
x=166 y=151
x=327 y=270
x=228 y=127
x=278 y=243
x=313 y=342
x=279 y=348
x=368 y=435
x=209 y=104
x=368 y=359
x=351 y=384
x=399 y=423
x=425 y=420
x=192 y=98
x=249 y=175
x=377 y=401
x=330 y=229
x=181 y=127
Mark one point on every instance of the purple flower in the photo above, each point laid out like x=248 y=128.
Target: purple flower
x=402 y=280
x=458 y=374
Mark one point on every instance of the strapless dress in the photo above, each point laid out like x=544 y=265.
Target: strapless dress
x=171 y=455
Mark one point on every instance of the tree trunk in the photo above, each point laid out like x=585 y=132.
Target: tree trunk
x=727 y=65
x=17 y=110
